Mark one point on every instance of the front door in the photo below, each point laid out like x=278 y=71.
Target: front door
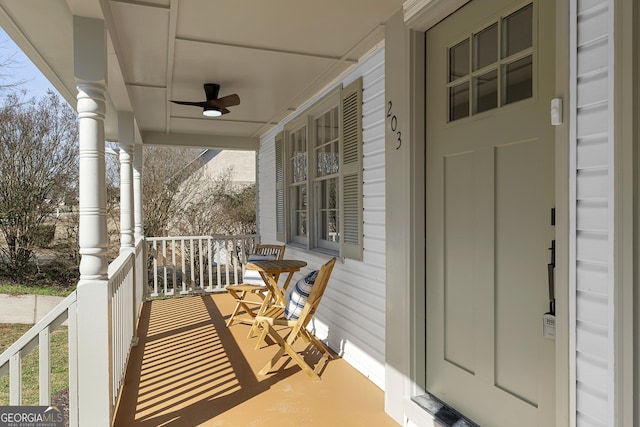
x=490 y=190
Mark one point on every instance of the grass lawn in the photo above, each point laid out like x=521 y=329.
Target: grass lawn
x=20 y=289
x=9 y=333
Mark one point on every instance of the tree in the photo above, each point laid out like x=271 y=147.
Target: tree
x=164 y=171
x=9 y=63
x=180 y=199
x=236 y=207
x=216 y=206
x=38 y=170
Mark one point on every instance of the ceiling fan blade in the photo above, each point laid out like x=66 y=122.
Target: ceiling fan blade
x=224 y=110
x=197 y=104
x=228 y=101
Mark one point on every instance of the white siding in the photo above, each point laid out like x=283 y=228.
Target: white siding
x=352 y=313
x=592 y=201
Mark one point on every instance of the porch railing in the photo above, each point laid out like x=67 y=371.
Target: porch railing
x=123 y=317
x=185 y=264
x=126 y=291
x=40 y=336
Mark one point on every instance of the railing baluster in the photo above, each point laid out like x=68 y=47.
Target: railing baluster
x=173 y=265
x=15 y=380
x=44 y=366
x=192 y=264
x=155 y=269
x=210 y=264
x=164 y=269
x=184 y=270
x=229 y=251
x=218 y=268
x=201 y=264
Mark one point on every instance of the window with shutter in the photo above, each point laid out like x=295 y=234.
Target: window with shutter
x=319 y=175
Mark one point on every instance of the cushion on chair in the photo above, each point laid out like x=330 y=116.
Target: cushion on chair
x=253 y=276
x=297 y=297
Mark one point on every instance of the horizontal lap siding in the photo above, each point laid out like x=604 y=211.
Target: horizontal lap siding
x=593 y=201
x=266 y=192
x=352 y=314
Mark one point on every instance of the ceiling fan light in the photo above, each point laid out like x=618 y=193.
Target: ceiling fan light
x=211 y=112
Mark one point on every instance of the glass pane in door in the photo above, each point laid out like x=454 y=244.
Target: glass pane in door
x=486 y=91
x=518 y=31
x=486 y=47
x=518 y=78
x=459 y=101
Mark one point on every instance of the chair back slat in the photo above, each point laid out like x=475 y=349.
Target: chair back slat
x=317 y=291
x=277 y=250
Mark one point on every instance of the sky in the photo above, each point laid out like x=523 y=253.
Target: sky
x=23 y=69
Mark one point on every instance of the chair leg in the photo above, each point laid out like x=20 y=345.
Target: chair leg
x=254 y=326
x=240 y=303
x=287 y=347
x=261 y=337
x=300 y=361
x=237 y=298
x=268 y=329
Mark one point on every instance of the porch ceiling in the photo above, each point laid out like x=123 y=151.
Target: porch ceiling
x=274 y=54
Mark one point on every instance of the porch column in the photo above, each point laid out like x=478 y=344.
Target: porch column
x=94 y=361
x=137 y=191
x=126 y=139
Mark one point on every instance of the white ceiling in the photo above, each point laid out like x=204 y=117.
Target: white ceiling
x=275 y=54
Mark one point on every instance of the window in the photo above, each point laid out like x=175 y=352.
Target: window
x=319 y=175
x=326 y=139
x=492 y=67
x=298 y=184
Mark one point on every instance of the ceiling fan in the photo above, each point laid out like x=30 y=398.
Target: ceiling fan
x=213 y=106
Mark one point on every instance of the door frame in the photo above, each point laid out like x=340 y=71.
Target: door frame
x=419 y=16
x=626 y=317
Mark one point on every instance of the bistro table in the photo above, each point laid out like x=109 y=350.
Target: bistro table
x=270 y=272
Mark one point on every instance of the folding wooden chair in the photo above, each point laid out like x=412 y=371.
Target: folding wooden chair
x=297 y=328
x=252 y=285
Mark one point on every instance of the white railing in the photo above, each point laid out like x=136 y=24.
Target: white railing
x=123 y=317
x=127 y=293
x=140 y=274
x=186 y=264
x=39 y=335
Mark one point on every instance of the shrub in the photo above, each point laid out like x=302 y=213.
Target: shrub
x=43 y=235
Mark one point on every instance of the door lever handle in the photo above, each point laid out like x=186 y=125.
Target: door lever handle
x=551 y=277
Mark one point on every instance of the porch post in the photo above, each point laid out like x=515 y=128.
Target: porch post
x=137 y=208
x=126 y=139
x=137 y=191
x=94 y=361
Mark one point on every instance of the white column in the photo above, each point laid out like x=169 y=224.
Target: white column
x=93 y=238
x=138 y=212
x=126 y=139
x=93 y=317
x=137 y=191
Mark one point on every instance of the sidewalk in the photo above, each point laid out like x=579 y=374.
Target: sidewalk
x=26 y=309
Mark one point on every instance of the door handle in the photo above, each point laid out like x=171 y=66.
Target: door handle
x=551 y=277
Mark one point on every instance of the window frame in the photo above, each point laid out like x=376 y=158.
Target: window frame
x=291 y=205
x=285 y=202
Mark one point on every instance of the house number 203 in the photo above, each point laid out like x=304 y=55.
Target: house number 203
x=393 y=124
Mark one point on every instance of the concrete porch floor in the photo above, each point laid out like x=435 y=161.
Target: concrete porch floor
x=189 y=369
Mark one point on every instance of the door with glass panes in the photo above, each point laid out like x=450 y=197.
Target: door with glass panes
x=490 y=190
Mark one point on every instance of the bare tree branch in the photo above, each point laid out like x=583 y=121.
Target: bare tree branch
x=38 y=171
